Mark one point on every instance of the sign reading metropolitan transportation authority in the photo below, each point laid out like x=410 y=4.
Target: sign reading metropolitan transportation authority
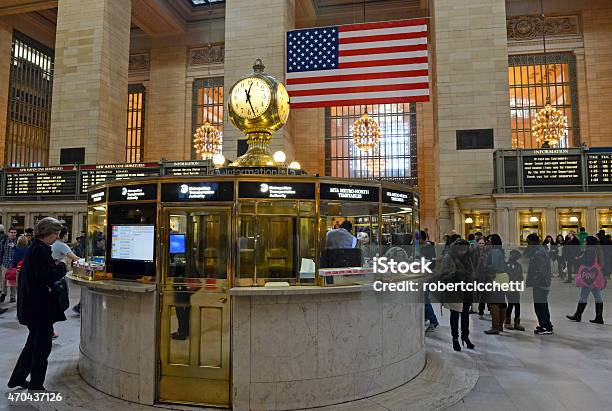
x=349 y=192
x=47 y=181
x=143 y=192
x=198 y=191
x=551 y=167
x=277 y=190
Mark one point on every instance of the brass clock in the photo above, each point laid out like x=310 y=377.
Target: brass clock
x=258 y=105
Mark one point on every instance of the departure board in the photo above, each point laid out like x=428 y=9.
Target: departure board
x=99 y=173
x=41 y=181
x=599 y=168
x=552 y=167
x=187 y=168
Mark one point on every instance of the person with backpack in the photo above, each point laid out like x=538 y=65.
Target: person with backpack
x=591 y=280
x=515 y=274
x=539 y=279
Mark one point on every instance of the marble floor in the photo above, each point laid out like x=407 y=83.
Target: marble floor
x=570 y=370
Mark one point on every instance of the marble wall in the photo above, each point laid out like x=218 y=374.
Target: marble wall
x=117 y=350
x=299 y=351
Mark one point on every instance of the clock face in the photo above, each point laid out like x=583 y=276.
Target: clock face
x=251 y=98
x=282 y=100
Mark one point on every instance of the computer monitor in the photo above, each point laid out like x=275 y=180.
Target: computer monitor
x=177 y=243
x=341 y=257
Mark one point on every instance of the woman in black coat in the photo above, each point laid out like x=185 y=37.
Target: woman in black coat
x=37 y=306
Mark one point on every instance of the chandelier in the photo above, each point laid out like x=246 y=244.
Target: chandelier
x=366 y=133
x=548 y=126
x=207 y=141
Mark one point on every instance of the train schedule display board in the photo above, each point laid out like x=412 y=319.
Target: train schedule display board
x=599 y=166
x=92 y=174
x=41 y=181
x=551 y=167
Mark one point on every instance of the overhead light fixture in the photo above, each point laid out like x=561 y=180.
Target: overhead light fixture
x=294 y=165
x=573 y=219
x=548 y=126
x=218 y=159
x=534 y=219
x=366 y=133
x=469 y=220
x=279 y=157
x=207 y=141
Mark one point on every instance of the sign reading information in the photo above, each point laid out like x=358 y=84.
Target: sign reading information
x=551 y=167
x=348 y=192
x=41 y=181
x=187 y=168
x=204 y=191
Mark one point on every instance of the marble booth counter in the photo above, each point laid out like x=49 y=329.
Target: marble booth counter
x=117 y=349
x=303 y=347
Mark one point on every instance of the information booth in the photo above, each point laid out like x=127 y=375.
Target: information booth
x=189 y=261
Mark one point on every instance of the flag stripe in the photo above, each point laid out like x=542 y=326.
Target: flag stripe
x=361 y=89
x=378 y=32
x=376 y=63
x=383 y=24
x=348 y=96
x=384 y=37
x=394 y=49
x=380 y=69
x=358 y=102
x=384 y=56
x=379 y=44
x=355 y=77
x=355 y=83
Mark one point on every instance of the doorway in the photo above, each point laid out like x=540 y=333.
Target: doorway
x=195 y=307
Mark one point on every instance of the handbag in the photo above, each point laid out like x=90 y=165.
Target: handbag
x=11 y=274
x=590 y=276
x=60 y=290
x=502 y=278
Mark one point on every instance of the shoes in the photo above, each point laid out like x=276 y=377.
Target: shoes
x=3 y=310
x=177 y=336
x=598 y=314
x=517 y=325
x=431 y=327
x=456 y=345
x=542 y=331
x=55 y=335
x=22 y=384
x=466 y=342
x=578 y=314
x=508 y=323
x=13 y=299
x=2 y=297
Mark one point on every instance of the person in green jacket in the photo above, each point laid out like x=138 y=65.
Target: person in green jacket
x=582 y=235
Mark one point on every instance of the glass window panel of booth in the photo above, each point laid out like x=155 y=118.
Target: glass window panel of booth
x=397 y=232
x=475 y=222
x=530 y=84
x=17 y=221
x=364 y=221
x=394 y=158
x=604 y=218
x=569 y=220
x=95 y=244
x=276 y=242
x=198 y=246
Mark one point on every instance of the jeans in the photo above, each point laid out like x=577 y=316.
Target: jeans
x=540 y=305
x=584 y=294
x=34 y=356
x=429 y=311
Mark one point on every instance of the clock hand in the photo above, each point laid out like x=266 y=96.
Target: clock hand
x=252 y=109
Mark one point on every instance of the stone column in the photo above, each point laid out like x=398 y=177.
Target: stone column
x=6 y=40
x=256 y=29
x=470 y=80
x=90 y=80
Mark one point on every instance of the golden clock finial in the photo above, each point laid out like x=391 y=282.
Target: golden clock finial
x=258 y=66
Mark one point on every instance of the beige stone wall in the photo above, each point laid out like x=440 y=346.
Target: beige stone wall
x=6 y=39
x=90 y=80
x=427 y=149
x=471 y=86
x=309 y=138
x=256 y=29
x=166 y=96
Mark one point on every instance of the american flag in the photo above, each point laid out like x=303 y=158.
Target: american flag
x=369 y=63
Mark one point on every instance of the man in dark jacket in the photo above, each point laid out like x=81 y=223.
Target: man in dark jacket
x=538 y=278
x=37 y=306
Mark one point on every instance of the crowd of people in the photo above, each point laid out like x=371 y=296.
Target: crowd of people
x=578 y=257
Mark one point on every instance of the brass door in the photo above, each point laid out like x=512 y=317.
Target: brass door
x=195 y=317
